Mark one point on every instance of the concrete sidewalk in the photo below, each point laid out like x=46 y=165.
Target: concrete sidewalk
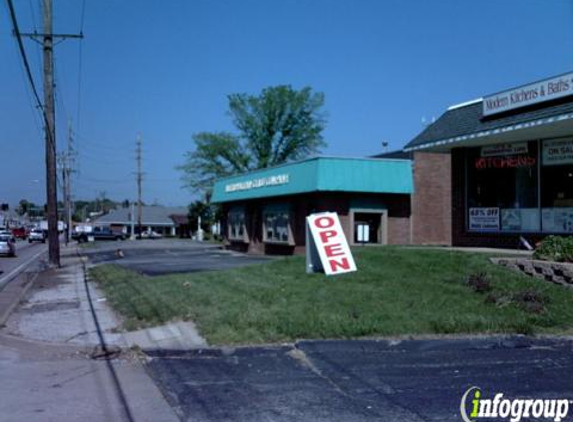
x=46 y=357
x=57 y=310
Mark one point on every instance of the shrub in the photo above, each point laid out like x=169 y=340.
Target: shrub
x=555 y=248
x=479 y=282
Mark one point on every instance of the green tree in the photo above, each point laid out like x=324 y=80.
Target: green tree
x=279 y=125
x=25 y=206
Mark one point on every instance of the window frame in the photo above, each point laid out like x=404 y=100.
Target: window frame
x=245 y=237
x=276 y=209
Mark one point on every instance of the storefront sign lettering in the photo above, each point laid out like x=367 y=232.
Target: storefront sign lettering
x=504 y=149
x=537 y=92
x=484 y=219
x=280 y=179
x=556 y=152
x=327 y=238
x=514 y=161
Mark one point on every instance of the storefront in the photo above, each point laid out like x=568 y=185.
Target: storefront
x=511 y=163
x=265 y=210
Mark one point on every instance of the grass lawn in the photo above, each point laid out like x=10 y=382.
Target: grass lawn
x=395 y=291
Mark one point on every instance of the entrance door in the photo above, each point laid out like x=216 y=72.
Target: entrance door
x=367 y=227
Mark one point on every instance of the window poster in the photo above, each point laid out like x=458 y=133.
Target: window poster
x=511 y=219
x=557 y=220
x=484 y=219
x=557 y=152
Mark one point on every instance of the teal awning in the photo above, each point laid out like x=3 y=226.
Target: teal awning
x=321 y=174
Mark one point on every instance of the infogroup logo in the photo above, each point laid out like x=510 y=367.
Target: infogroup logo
x=512 y=409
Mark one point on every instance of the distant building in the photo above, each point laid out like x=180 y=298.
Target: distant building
x=163 y=220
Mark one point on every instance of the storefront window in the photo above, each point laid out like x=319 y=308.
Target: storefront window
x=236 y=224
x=557 y=186
x=276 y=224
x=502 y=188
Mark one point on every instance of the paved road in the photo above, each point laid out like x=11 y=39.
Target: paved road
x=165 y=256
x=27 y=254
x=360 y=380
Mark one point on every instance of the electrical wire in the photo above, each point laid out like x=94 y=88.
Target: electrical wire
x=80 y=60
x=18 y=36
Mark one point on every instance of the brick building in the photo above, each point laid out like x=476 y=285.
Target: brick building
x=510 y=157
x=265 y=210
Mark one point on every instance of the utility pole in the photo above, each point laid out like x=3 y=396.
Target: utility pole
x=139 y=179
x=68 y=170
x=51 y=188
x=47 y=41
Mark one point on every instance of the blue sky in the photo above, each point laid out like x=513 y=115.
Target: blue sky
x=164 y=68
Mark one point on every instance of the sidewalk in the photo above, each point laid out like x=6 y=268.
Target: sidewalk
x=46 y=350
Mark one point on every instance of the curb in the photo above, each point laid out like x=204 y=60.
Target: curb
x=13 y=292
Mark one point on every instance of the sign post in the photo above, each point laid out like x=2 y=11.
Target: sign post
x=326 y=246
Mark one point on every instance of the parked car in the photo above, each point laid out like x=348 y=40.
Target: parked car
x=150 y=234
x=20 y=233
x=101 y=233
x=7 y=244
x=37 y=235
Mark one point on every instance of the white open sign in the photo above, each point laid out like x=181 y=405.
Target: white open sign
x=326 y=239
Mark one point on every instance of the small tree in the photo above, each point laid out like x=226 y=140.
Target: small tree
x=279 y=125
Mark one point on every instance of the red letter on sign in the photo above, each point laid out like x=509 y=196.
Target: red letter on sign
x=343 y=263
x=333 y=250
x=327 y=234
x=328 y=222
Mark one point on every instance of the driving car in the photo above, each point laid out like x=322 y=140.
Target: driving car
x=20 y=232
x=7 y=244
x=37 y=235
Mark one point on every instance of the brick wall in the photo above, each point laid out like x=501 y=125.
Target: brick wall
x=398 y=231
x=398 y=207
x=432 y=199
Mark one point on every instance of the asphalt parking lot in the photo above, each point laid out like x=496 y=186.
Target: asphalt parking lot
x=360 y=380
x=168 y=256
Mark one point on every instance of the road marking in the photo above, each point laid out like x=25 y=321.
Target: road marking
x=5 y=279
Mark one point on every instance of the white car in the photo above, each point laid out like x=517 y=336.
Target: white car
x=7 y=244
x=150 y=234
x=37 y=235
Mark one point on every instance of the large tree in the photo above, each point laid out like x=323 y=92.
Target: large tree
x=279 y=125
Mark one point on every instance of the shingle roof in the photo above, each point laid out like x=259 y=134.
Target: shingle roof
x=398 y=154
x=469 y=119
x=150 y=215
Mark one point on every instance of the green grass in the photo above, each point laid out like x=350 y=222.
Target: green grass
x=396 y=291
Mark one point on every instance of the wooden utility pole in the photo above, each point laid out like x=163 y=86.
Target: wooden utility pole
x=139 y=179
x=51 y=177
x=68 y=169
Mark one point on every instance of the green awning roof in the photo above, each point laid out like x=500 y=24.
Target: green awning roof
x=321 y=174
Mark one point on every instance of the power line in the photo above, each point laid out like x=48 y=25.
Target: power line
x=23 y=55
x=80 y=60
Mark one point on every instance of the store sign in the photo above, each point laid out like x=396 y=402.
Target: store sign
x=537 y=92
x=512 y=162
x=504 y=149
x=484 y=219
x=326 y=246
x=280 y=179
x=557 y=152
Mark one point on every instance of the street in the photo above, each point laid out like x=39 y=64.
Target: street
x=27 y=255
